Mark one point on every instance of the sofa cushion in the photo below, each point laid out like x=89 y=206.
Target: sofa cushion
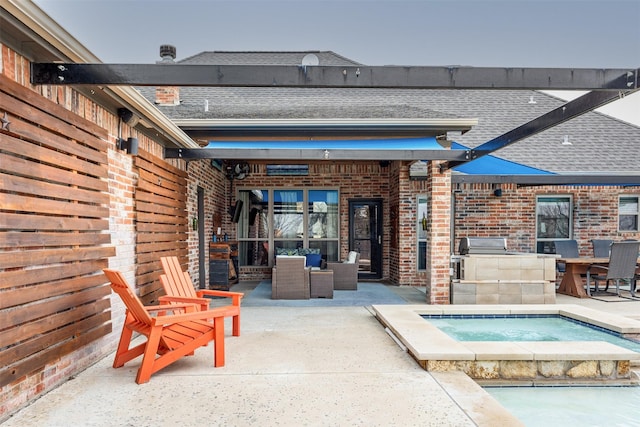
x=313 y=260
x=351 y=258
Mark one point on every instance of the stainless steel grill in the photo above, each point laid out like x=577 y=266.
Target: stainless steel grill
x=483 y=246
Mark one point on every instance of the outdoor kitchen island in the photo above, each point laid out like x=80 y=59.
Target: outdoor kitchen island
x=486 y=273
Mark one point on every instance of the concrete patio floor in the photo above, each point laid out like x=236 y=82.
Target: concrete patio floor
x=320 y=366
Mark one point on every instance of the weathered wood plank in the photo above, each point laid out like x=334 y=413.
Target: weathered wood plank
x=46 y=324
x=11 y=278
x=45 y=155
x=160 y=219
x=149 y=162
x=26 y=239
x=160 y=237
x=85 y=149
x=32 y=98
x=15 y=165
x=145 y=257
x=148 y=227
x=85 y=292
x=43 y=222
x=159 y=209
x=26 y=366
x=161 y=182
x=148 y=197
x=155 y=247
x=44 y=341
x=54 y=207
x=44 y=257
x=153 y=188
x=21 y=184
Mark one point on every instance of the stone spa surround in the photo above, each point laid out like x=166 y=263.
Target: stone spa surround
x=515 y=363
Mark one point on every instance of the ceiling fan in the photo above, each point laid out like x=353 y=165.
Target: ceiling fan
x=238 y=171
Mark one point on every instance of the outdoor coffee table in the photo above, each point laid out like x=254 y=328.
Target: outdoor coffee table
x=321 y=283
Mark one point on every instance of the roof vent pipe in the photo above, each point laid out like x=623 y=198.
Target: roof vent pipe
x=206 y=105
x=167 y=53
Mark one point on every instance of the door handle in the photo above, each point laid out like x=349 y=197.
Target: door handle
x=379 y=239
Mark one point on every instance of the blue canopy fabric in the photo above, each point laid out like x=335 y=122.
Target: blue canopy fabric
x=391 y=144
x=490 y=165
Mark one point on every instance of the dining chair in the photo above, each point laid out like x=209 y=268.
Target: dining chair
x=601 y=247
x=623 y=262
x=566 y=249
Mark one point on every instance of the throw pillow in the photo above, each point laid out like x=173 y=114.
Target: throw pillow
x=313 y=260
x=351 y=258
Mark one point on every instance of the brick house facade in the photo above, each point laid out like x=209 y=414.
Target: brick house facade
x=34 y=369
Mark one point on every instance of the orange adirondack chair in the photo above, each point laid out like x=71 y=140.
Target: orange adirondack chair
x=170 y=336
x=179 y=288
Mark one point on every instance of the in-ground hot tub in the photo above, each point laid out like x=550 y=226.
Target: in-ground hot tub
x=485 y=272
x=511 y=362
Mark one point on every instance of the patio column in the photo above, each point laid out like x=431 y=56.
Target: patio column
x=438 y=234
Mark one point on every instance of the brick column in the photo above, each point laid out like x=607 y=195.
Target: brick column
x=438 y=234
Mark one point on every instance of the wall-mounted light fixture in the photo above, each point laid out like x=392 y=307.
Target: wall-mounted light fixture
x=130 y=145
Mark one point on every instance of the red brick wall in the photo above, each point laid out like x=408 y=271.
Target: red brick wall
x=478 y=212
x=214 y=185
x=354 y=180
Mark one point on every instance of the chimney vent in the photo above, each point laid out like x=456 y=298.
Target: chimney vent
x=167 y=53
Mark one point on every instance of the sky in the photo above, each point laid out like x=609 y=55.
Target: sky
x=481 y=33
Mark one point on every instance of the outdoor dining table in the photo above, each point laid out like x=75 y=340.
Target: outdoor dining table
x=571 y=283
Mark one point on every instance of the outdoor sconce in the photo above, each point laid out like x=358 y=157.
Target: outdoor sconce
x=130 y=145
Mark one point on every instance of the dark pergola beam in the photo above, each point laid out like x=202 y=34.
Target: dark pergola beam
x=547 y=179
x=405 y=77
x=311 y=154
x=568 y=111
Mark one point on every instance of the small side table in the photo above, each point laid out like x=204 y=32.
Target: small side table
x=321 y=283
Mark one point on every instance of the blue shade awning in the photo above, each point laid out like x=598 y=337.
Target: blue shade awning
x=333 y=144
x=490 y=165
x=426 y=148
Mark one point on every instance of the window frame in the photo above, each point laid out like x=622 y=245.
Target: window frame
x=306 y=239
x=543 y=243
x=637 y=213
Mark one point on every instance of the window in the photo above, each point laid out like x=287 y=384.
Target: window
x=553 y=221
x=628 y=213
x=421 y=232
x=290 y=219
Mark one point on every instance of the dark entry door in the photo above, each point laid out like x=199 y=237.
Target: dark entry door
x=365 y=235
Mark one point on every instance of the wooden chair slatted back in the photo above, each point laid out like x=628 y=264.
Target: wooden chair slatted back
x=131 y=301
x=178 y=282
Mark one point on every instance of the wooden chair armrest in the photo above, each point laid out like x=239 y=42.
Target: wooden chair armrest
x=202 y=302
x=206 y=315
x=163 y=308
x=235 y=296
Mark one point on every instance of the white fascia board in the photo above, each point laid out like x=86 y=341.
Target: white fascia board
x=451 y=124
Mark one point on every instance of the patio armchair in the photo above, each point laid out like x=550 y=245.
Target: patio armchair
x=179 y=288
x=345 y=274
x=623 y=263
x=290 y=278
x=169 y=336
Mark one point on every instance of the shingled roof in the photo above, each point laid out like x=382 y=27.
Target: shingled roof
x=598 y=143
